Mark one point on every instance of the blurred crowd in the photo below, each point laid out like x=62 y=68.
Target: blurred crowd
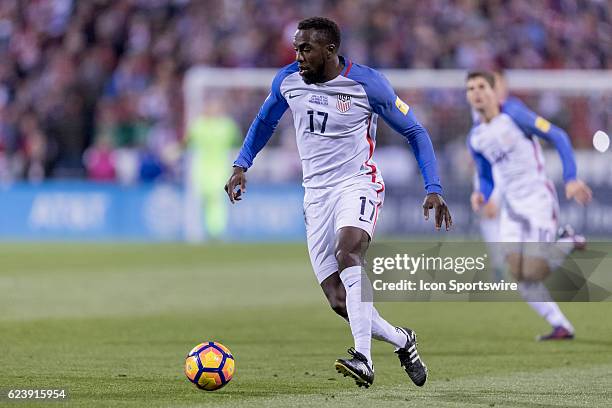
x=93 y=88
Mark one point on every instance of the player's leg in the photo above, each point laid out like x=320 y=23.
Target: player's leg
x=529 y=265
x=537 y=296
x=565 y=239
x=404 y=339
x=333 y=289
x=356 y=215
x=351 y=245
x=321 y=234
x=489 y=230
x=382 y=330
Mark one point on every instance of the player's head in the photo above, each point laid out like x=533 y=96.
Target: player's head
x=480 y=90
x=316 y=44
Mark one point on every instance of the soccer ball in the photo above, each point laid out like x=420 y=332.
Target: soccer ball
x=209 y=366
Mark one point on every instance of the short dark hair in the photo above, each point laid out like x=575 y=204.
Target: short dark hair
x=487 y=75
x=327 y=27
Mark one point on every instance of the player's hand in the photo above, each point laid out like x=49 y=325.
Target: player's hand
x=579 y=191
x=489 y=210
x=238 y=178
x=436 y=202
x=477 y=200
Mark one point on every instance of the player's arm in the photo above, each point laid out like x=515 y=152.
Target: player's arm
x=532 y=124
x=259 y=133
x=401 y=118
x=490 y=209
x=485 y=179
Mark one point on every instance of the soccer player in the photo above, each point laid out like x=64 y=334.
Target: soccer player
x=508 y=157
x=490 y=211
x=335 y=105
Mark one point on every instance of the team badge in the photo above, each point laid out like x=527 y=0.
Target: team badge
x=344 y=103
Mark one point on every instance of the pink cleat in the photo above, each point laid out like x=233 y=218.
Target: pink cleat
x=558 y=333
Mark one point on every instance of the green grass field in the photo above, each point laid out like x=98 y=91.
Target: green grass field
x=112 y=324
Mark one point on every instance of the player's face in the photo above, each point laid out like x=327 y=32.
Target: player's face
x=480 y=94
x=310 y=55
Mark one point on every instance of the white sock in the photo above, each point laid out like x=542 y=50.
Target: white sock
x=383 y=330
x=538 y=297
x=360 y=313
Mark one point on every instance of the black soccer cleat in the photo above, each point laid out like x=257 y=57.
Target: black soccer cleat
x=409 y=358
x=356 y=368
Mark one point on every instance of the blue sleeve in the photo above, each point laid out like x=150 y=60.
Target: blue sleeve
x=266 y=120
x=532 y=124
x=400 y=117
x=484 y=170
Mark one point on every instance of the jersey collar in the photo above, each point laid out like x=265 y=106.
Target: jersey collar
x=348 y=64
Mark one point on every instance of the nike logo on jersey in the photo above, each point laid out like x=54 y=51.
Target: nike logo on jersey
x=361 y=219
x=293 y=96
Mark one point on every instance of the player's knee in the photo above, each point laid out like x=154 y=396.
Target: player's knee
x=347 y=258
x=536 y=270
x=514 y=261
x=351 y=246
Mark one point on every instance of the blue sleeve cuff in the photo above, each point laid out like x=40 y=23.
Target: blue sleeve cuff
x=240 y=162
x=434 y=188
x=486 y=188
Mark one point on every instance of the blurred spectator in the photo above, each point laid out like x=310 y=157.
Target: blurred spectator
x=33 y=150
x=114 y=67
x=99 y=160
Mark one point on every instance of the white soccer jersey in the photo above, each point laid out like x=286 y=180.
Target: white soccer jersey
x=335 y=125
x=507 y=155
x=517 y=161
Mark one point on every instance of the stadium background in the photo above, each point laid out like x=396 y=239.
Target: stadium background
x=94 y=113
x=93 y=93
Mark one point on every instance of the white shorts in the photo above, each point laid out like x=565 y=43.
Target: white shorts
x=531 y=220
x=325 y=212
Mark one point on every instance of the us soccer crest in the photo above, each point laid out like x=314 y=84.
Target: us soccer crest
x=344 y=102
